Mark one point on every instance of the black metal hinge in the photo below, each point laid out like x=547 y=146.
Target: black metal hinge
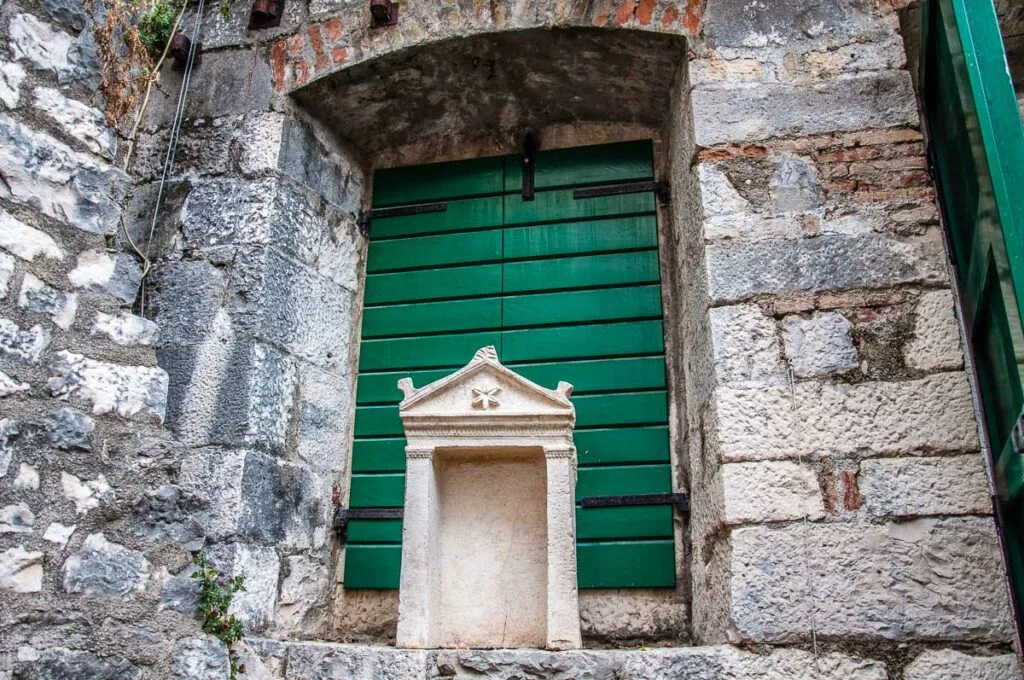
x=530 y=146
x=343 y=515
x=680 y=500
x=661 y=190
x=368 y=216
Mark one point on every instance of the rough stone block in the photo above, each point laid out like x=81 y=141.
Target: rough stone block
x=59 y=533
x=125 y=329
x=11 y=77
x=746 y=346
x=27 y=243
x=855 y=102
x=948 y=664
x=25 y=346
x=69 y=429
x=325 y=413
x=71 y=13
x=888 y=581
x=9 y=432
x=27 y=479
x=255 y=605
x=9 y=385
x=65 y=664
x=769 y=492
x=204 y=658
x=303 y=590
x=117 y=275
x=86 y=495
x=902 y=487
x=794 y=184
x=17 y=518
x=6 y=273
x=936 y=341
x=77 y=120
x=735 y=23
x=21 y=571
x=39 y=297
x=166 y=514
x=740 y=270
x=309 y=159
x=615 y=616
x=128 y=390
x=243 y=84
x=819 y=345
x=104 y=569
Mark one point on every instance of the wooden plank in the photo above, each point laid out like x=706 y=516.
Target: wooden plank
x=378 y=421
x=559 y=205
x=603 y=304
x=373 y=566
x=375 y=531
x=467 y=215
x=421 y=183
x=377 y=490
x=622 y=445
x=581 y=342
x=424 y=352
x=378 y=455
x=598 y=375
x=382 y=388
x=642 y=521
x=421 y=252
x=585 y=271
x=620 y=162
x=591 y=236
x=621 y=480
x=626 y=564
x=607 y=410
x=433 y=284
x=432 y=317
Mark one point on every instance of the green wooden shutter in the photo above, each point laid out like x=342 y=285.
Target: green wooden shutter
x=565 y=289
x=977 y=149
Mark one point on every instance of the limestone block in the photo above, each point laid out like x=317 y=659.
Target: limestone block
x=323 y=661
x=898 y=487
x=128 y=390
x=258 y=146
x=104 y=569
x=21 y=570
x=72 y=187
x=890 y=581
x=125 y=329
x=948 y=664
x=17 y=518
x=39 y=297
x=260 y=565
x=40 y=44
x=165 y=513
x=25 y=346
x=77 y=120
x=794 y=184
x=9 y=385
x=769 y=492
x=11 y=77
x=302 y=592
x=59 y=533
x=69 y=429
x=27 y=479
x=86 y=495
x=325 y=411
x=831 y=262
x=718 y=195
x=64 y=664
x=855 y=102
x=315 y=162
x=9 y=431
x=117 y=275
x=819 y=345
x=71 y=13
x=746 y=346
x=204 y=658
x=19 y=239
x=936 y=341
x=619 y=615
x=6 y=273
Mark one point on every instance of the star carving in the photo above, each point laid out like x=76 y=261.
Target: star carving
x=486 y=399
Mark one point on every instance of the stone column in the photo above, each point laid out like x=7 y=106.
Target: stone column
x=563 y=596
x=419 y=534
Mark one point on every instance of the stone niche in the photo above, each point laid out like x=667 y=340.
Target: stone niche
x=489 y=540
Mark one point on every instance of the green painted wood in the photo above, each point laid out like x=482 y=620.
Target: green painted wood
x=598 y=375
x=622 y=445
x=626 y=564
x=579 y=342
x=380 y=531
x=425 y=351
x=373 y=566
x=378 y=455
x=622 y=162
x=422 y=252
x=377 y=490
x=432 y=317
x=588 y=271
x=605 y=304
x=382 y=388
x=607 y=410
x=433 y=284
x=623 y=479
x=573 y=238
x=378 y=421
x=422 y=183
x=644 y=521
x=559 y=205
x=466 y=215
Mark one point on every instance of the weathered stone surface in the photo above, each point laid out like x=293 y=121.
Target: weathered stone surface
x=180 y=593
x=26 y=346
x=27 y=479
x=204 y=658
x=11 y=77
x=622 y=616
x=9 y=431
x=86 y=495
x=71 y=13
x=794 y=184
x=59 y=533
x=900 y=487
x=126 y=329
x=104 y=569
x=69 y=429
x=21 y=570
x=77 y=120
x=260 y=565
x=65 y=664
x=45 y=174
x=947 y=664
x=6 y=273
x=117 y=275
x=819 y=345
x=166 y=514
x=746 y=346
x=730 y=216
x=16 y=519
x=741 y=270
x=39 y=297
x=731 y=115
x=769 y=492
x=129 y=390
x=9 y=385
x=890 y=581
x=27 y=243
x=39 y=43
x=302 y=591
x=734 y=23
x=324 y=401
x=936 y=341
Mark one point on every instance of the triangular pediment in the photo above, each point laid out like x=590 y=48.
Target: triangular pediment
x=484 y=387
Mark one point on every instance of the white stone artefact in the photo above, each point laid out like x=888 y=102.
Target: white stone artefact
x=489 y=538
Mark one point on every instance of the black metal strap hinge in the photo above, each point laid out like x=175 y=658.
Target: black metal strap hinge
x=343 y=515
x=530 y=146
x=368 y=216
x=680 y=500
x=660 y=189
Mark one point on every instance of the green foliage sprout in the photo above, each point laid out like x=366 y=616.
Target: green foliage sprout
x=215 y=595
x=225 y=10
x=156 y=24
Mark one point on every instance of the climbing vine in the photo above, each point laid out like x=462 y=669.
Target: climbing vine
x=215 y=596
